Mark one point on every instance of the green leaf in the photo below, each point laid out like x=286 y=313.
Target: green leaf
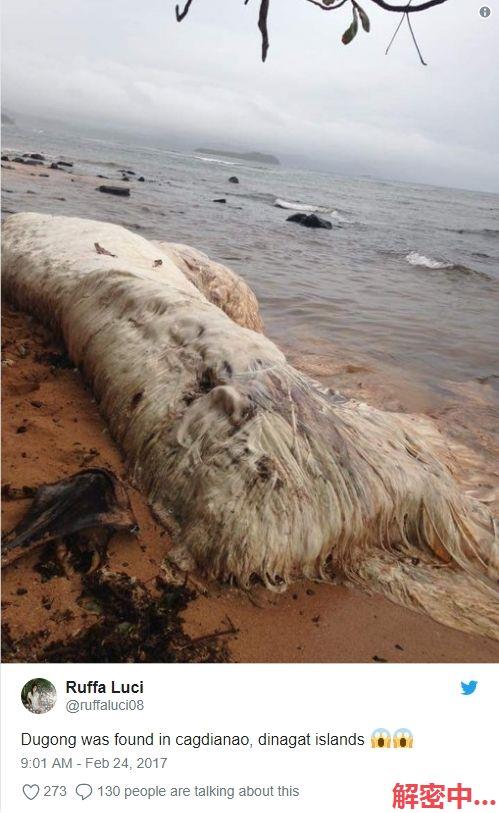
x=366 y=25
x=351 y=30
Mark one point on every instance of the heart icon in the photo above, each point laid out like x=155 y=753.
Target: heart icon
x=31 y=791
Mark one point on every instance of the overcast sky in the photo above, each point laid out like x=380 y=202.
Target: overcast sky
x=129 y=63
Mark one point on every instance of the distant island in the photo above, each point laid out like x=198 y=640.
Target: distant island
x=7 y=119
x=259 y=157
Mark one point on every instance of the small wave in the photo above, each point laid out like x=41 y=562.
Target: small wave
x=263 y=197
x=215 y=160
x=429 y=262
x=309 y=207
x=302 y=207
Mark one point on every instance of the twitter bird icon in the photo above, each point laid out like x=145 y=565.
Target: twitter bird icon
x=469 y=688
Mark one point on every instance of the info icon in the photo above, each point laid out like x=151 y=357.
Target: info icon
x=485 y=11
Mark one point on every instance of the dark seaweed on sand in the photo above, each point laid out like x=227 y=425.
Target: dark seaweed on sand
x=135 y=626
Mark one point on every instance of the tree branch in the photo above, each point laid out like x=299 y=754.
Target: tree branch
x=382 y=4
x=408 y=10
x=332 y=5
x=327 y=8
x=262 y=25
x=415 y=40
x=181 y=14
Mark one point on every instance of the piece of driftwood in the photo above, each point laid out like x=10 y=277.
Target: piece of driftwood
x=265 y=474
x=92 y=498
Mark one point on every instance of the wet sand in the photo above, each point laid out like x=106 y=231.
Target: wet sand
x=52 y=428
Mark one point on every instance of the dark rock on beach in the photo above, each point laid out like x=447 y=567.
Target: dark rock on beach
x=120 y=191
x=310 y=221
x=219 y=200
x=233 y=179
x=33 y=162
x=141 y=178
x=19 y=160
x=37 y=156
x=65 y=163
x=54 y=165
x=5 y=158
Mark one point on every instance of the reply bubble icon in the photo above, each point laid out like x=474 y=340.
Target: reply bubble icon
x=84 y=791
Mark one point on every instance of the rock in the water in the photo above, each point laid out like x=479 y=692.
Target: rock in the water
x=128 y=172
x=141 y=178
x=219 y=200
x=37 y=156
x=233 y=179
x=54 y=165
x=65 y=163
x=19 y=160
x=311 y=221
x=121 y=191
x=104 y=177
x=5 y=158
x=32 y=162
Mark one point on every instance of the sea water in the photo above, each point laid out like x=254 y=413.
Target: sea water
x=409 y=274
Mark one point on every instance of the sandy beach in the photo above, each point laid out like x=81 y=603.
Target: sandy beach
x=52 y=428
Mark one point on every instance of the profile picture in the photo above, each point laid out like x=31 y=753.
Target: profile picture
x=38 y=695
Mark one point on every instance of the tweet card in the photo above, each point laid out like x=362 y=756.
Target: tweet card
x=250 y=286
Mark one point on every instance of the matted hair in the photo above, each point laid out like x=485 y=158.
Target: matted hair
x=260 y=472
